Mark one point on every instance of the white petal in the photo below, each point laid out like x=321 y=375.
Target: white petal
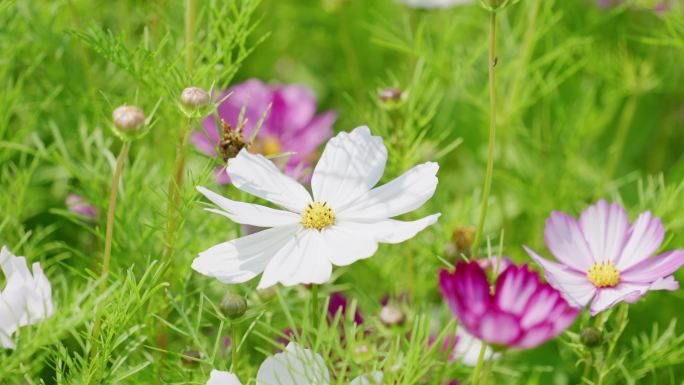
x=294 y=366
x=243 y=258
x=249 y=214
x=302 y=260
x=218 y=377
x=26 y=298
x=401 y=195
x=467 y=348
x=346 y=244
x=258 y=176
x=374 y=378
x=605 y=227
x=394 y=231
x=351 y=164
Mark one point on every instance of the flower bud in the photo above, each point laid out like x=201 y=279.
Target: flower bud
x=128 y=119
x=195 y=97
x=392 y=315
x=268 y=293
x=234 y=305
x=461 y=241
x=389 y=94
x=591 y=336
x=191 y=357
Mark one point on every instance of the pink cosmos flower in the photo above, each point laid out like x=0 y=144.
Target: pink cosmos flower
x=606 y=258
x=291 y=125
x=78 y=205
x=520 y=313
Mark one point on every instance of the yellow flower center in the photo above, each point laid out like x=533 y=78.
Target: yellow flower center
x=604 y=274
x=318 y=215
x=266 y=146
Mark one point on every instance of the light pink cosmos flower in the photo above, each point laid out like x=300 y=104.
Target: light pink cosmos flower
x=291 y=125
x=520 y=313
x=606 y=258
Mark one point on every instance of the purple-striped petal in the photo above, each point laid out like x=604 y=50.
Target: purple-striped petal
x=499 y=328
x=645 y=237
x=565 y=241
x=652 y=269
x=574 y=287
x=605 y=228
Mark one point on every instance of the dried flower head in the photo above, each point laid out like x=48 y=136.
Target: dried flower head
x=231 y=142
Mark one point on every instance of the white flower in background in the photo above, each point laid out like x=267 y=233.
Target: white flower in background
x=218 y=377
x=26 y=298
x=467 y=349
x=435 y=3
x=343 y=222
x=294 y=366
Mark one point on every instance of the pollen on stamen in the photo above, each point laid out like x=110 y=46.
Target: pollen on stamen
x=317 y=215
x=604 y=274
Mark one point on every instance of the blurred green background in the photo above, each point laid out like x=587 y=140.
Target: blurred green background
x=591 y=105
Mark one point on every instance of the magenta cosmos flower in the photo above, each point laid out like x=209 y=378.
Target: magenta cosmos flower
x=78 y=205
x=606 y=258
x=291 y=125
x=520 y=313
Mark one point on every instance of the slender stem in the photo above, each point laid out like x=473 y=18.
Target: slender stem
x=314 y=304
x=234 y=347
x=621 y=136
x=109 y=232
x=175 y=191
x=478 y=367
x=190 y=17
x=492 y=133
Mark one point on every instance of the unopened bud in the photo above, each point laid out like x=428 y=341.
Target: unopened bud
x=591 y=336
x=234 y=305
x=195 y=97
x=390 y=94
x=128 y=118
x=462 y=240
x=268 y=293
x=191 y=357
x=392 y=315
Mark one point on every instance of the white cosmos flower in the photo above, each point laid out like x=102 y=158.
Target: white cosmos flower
x=26 y=298
x=294 y=366
x=343 y=222
x=435 y=3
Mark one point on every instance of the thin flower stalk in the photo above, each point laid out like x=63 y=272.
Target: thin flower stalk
x=486 y=190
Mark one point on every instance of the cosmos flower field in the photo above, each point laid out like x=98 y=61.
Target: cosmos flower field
x=324 y=192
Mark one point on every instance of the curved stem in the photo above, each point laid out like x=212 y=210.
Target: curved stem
x=492 y=133
x=621 y=136
x=314 y=304
x=109 y=232
x=233 y=347
x=190 y=16
x=478 y=367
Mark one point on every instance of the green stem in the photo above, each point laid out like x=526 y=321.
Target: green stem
x=190 y=17
x=314 y=304
x=109 y=232
x=492 y=133
x=234 y=347
x=621 y=137
x=480 y=360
